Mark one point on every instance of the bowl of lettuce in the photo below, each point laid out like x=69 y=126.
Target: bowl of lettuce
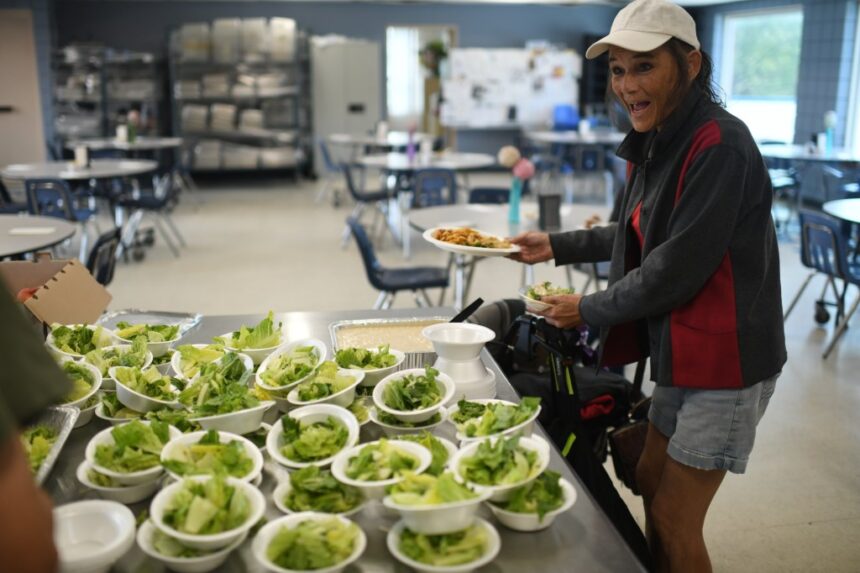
x=373 y=466
x=256 y=341
x=533 y=295
x=76 y=340
x=308 y=541
x=456 y=552
x=534 y=507
x=476 y=419
x=500 y=465
x=211 y=452
x=377 y=363
x=328 y=385
x=110 y=409
x=88 y=410
x=433 y=505
x=208 y=512
x=413 y=395
x=144 y=390
x=163 y=362
x=312 y=435
x=189 y=358
x=159 y=337
x=130 y=453
x=393 y=427
x=108 y=488
x=315 y=489
x=360 y=409
x=178 y=557
x=291 y=364
x=134 y=354
x=86 y=381
x=441 y=449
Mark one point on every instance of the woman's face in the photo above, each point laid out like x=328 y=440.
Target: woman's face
x=645 y=83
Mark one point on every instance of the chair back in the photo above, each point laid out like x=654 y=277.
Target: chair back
x=101 y=261
x=329 y=163
x=565 y=117
x=368 y=256
x=489 y=195
x=51 y=198
x=823 y=246
x=349 y=181
x=434 y=186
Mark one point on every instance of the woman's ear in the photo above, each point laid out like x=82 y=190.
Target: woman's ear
x=694 y=64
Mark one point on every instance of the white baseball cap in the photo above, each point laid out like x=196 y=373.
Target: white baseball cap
x=645 y=25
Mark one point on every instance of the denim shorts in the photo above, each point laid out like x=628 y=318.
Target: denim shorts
x=710 y=429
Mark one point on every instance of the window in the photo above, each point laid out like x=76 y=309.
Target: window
x=852 y=137
x=405 y=83
x=760 y=63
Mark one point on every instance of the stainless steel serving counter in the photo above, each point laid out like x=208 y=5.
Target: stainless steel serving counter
x=581 y=539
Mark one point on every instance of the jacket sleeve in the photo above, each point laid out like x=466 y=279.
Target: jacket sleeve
x=585 y=246
x=700 y=231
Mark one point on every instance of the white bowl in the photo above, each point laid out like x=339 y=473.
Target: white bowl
x=92 y=535
x=462 y=371
x=137 y=401
x=225 y=437
x=267 y=532
x=449 y=447
x=484 y=389
x=49 y=341
x=124 y=494
x=256 y=354
x=97 y=384
x=443 y=381
x=214 y=540
x=157 y=348
x=109 y=383
x=376 y=489
x=458 y=340
x=201 y=564
x=530 y=521
x=310 y=415
x=266 y=429
x=322 y=353
x=440 y=518
x=391 y=430
x=372 y=376
x=176 y=361
x=494 y=544
x=86 y=415
x=533 y=305
x=285 y=487
x=100 y=413
x=241 y=422
x=132 y=478
x=343 y=398
x=165 y=368
x=525 y=428
x=503 y=492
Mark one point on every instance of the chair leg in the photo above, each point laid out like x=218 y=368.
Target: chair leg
x=128 y=232
x=388 y=301
x=427 y=301
x=380 y=300
x=840 y=328
x=797 y=296
x=85 y=239
x=419 y=302
x=442 y=296
x=356 y=214
x=164 y=235
x=169 y=221
x=324 y=190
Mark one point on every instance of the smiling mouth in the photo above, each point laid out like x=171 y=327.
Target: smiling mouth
x=639 y=107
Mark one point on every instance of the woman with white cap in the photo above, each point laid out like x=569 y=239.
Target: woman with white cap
x=694 y=277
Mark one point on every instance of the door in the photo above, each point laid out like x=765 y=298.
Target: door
x=22 y=138
x=362 y=83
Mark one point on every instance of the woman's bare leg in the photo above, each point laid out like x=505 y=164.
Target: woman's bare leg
x=648 y=474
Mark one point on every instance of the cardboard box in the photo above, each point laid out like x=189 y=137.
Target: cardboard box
x=67 y=292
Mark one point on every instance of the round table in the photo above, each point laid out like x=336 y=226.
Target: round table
x=844 y=209
x=802 y=153
x=140 y=144
x=98 y=169
x=596 y=137
x=455 y=160
x=393 y=139
x=22 y=234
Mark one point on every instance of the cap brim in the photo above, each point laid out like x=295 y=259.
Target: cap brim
x=629 y=40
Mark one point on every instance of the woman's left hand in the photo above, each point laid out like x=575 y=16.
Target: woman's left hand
x=564 y=312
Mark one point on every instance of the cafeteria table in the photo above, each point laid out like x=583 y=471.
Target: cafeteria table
x=580 y=540
x=142 y=143
x=22 y=234
x=844 y=209
x=68 y=171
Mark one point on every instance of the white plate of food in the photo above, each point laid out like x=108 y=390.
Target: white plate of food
x=468 y=241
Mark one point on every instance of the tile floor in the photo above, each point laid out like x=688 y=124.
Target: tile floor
x=267 y=245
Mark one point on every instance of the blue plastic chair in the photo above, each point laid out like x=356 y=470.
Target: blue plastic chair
x=433 y=187
x=489 y=195
x=565 y=117
x=332 y=171
x=53 y=198
x=378 y=199
x=7 y=205
x=102 y=259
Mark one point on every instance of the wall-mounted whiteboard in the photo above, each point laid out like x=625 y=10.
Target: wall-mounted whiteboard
x=508 y=87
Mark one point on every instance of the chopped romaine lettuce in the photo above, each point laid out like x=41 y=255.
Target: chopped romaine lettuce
x=429 y=490
x=495 y=417
x=315 y=489
x=170 y=547
x=312 y=544
x=380 y=461
x=364 y=359
x=207 y=507
x=210 y=456
x=164 y=358
x=176 y=418
x=546 y=288
x=37 y=442
x=104 y=358
x=101 y=479
x=152 y=332
x=467 y=411
x=258 y=436
x=113 y=408
x=327 y=381
x=137 y=446
x=220 y=389
x=437 y=450
x=445 y=550
x=289 y=367
x=79 y=340
x=149 y=382
x=359 y=409
x=264 y=335
x=82 y=380
x=541 y=496
x=305 y=442
x=504 y=462
x=413 y=392
x=192 y=358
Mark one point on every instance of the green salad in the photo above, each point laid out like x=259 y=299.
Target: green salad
x=193 y=358
x=429 y=490
x=149 y=382
x=289 y=367
x=37 y=442
x=364 y=359
x=207 y=507
x=152 y=332
x=327 y=381
x=100 y=479
x=113 y=408
x=82 y=380
x=380 y=461
x=389 y=420
x=125 y=355
x=258 y=436
x=263 y=335
x=179 y=419
x=137 y=446
x=220 y=389
x=91 y=402
x=305 y=442
x=437 y=450
x=81 y=339
x=541 y=496
x=504 y=462
x=170 y=547
x=359 y=409
x=210 y=456
x=413 y=392
x=315 y=489
x=478 y=420
x=313 y=544
x=546 y=288
x=445 y=550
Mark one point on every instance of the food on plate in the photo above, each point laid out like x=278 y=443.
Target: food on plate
x=149 y=382
x=37 y=442
x=113 y=408
x=478 y=420
x=79 y=339
x=315 y=489
x=152 y=332
x=309 y=442
x=541 y=290
x=263 y=335
x=124 y=355
x=470 y=238
x=210 y=456
x=364 y=359
x=503 y=462
x=137 y=446
x=445 y=550
x=207 y=507
x=429 y=490
x=405 y=335
x=359 y=409
x=437 y=450
x=380 y=461
x=390 y=420
x=313 y=544
x=192 y=358
x=327 y=381
x=288 y=367
x=82 y=380
x=413 y=392
x=541 y=496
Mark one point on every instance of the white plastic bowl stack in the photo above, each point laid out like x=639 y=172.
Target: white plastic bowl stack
x=446 y=387
x=171 y=448
x=92 y=535
x=376 y=489
x=125 y=479
x=525 y=428
x=459 y=345
x=310 y=415
x=494 y=544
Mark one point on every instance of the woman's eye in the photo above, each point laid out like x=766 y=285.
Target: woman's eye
x=645 y=67
x=616 y=71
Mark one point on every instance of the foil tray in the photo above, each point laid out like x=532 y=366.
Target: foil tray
x=185 y=320
x=62 y=420
x=413 y=359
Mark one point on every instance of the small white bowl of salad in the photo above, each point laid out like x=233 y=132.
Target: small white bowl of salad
x=377 y=363
x=75 y=340
x=256 y=341
x=328 y=385
x=105 y=358
x=312 y=436
x=176 y=556
x=290 y=365
x=478 y=419
x=535 y=506
x=110 y=409
x=207 y=512
x=187 y=359
x=243 y=421
x=107 y=488
x=210 y=452
x=440 y=449
x=393 y=427
x=130 y=454
x=164 y=362
x=315 y=489
x=88 y=410
x=459 y=551
x=144 y=390
x=533 y=295
x=413 y=395
x=374 y=466
x=159 y=337
x=86 y=382
x=336 y=540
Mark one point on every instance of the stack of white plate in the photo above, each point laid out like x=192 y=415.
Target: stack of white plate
x=194 y=42
x=223 y=116
x=255 y=39
x=278 y=157
x=207 y=154
x=250 y=119
x=186 y=89
x=225 y=39
x=241 y=157
x=282 y=39
x=194 y=118
x=216 y=85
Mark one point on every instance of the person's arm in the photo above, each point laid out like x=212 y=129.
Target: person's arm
x=584 y=246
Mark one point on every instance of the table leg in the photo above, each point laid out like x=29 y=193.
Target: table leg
x=405 y=231
x=459 y=280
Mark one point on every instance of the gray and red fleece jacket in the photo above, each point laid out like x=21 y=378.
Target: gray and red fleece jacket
x=700 y=293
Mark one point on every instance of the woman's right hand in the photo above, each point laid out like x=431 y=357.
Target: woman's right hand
x=534 y=248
